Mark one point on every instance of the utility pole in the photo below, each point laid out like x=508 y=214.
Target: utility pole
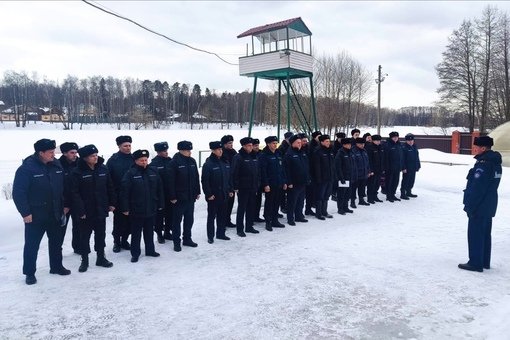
x=379 y=80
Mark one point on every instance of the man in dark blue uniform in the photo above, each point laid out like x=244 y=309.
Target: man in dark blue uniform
x=481 y=202
x=245 y=181
x=184 y=190
x=118 y=164
x=323 y=176
x=411 y=161
x=38 y=193
x=346 y=173
x=376 y=160
x=258 y=200
x=68 y=160
x=228 y=154
x=161 y=163
x=141 y=195
x=362 y=172
x=273 y=181
x=93 y=197
x=392 y=166
x=217 y=187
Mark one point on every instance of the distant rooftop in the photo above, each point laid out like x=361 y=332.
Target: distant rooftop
x=296 y=24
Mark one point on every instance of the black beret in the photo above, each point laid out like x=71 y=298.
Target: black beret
x=346 y=141
x=359 y=140
x=340 y=135
x=409 y=136
x=294 y=138
x=68 y=146
x=288 y=134
x=246 y=140
x=271 y=139
x=316 y=133
x=184 y=145
x=376 y=137
x=87 y=150
x=353 y=131
x=44 y=145
x=303 y=135
x=393 y=134
x=161 y=146
x=140 y=153
x=483 y=141
x=256 y=141
x=123 y=139
x=322 y=138
x=227 y=138
x=215 y=145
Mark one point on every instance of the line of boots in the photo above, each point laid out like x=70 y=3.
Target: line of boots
x=101 y=261
x=321 y=210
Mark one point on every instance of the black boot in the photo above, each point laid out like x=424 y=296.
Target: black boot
x=116 y=245
x=30 y=279
x=84 y=263
x=269 y=227
x=101 y=261
x=325 y=210
x=124 y=244
x=318 y=211
x=353 y=204
x=410 y=194
x=161 y=239
x=346 y=208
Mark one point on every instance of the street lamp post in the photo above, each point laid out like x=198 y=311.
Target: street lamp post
x=378 y=81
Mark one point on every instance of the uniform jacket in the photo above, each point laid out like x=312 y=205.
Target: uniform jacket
x=375 y=158
x=323 y=164
x=345 y=165
x=393 y=160
x=245 y=171
x=271 y=168
x=283 y=148
x=118 y=164
x=184 y=182
x=141 y=192
x=38 y=189
x=216 y=178
x=481 y=193
x=92 y=191
x=362 y=164
x=228 y=155
x=162 y=166
x=411 y=158
x=296 y=166
x=68 y=168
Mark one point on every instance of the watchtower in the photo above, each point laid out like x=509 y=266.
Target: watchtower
x=281 y=51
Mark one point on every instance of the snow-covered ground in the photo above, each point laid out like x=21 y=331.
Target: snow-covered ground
x=387 y=271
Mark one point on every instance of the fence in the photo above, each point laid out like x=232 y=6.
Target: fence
x=458 y=142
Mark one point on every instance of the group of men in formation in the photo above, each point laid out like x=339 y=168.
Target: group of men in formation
x=297 y=176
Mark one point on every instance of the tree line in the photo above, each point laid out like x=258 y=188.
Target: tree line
x=474 y=73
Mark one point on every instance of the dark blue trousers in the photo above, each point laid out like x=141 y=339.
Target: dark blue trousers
x=121 y=227
x=75 y=240
x=163 y=221
x=139 y=225
x=217 y=210
x=33 y=235
x=407 y=182
x=391 y=183
x=245 y=208
x=86 y=226
x=295 y=202
x=272 y=203
x=373 y=184
x=183 y=210
x=479 y=241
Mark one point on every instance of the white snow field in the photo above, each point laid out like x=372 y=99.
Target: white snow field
x=388 y=271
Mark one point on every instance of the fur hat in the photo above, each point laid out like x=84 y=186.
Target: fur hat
x=44 y=145
x=322 y=138
x=409 y=136
x=353 y=131
x=215 y=145
x=161 y=146
x=483 y=141
x=359 y=140
x=340 y=135
x=87 y=150
x=294 y=138
x=68 y=146
x=316 y=133
x=227 y=138
x=256 y=141
x=123 y=139
x=271 y=139
x=246 y=140
x=376 y=137
x=346 y=141
x=393 y=134
x=184 y=145
x=140 y=153
x=288 y=134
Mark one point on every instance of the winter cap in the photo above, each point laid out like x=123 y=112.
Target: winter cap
x=44 y=145
x=87 y=150
x=256 y=141
x=123 y=139
x=483 y=141
x=294 y=138
x=409 y=136
x=246 y=140
x=376 y=137
x=140 y=153
x=322 y=138
x=271 y=139
x=360 y=140
x=215 y=145
x=68 y=146
x=161 y=146
x=184 y=145
x=302 y=135
x=393 y=134
x=288 y=134
x=366 y=135
x=353 y=131
x=316 y=133
x=227 y=138
x=346 y=141
x=340 y=135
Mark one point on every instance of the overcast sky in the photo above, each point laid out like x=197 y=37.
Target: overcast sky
x=70 y=37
